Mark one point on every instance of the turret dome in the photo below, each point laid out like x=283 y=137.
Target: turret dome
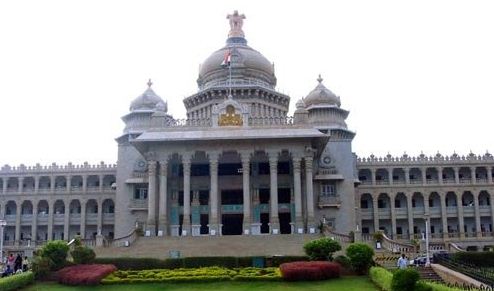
x=321 y=96
x=147 y=100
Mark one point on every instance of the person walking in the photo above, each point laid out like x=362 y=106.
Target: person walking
x=18 y=263
x=402 y=262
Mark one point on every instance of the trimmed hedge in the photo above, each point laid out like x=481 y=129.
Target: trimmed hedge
x=207 y=274
x=479 y=259
x=90 y=274
x=309 y=271
x=16 y=281
x=193 y=262
x=405 y=279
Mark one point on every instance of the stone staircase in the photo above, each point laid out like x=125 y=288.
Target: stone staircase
x=428 y=274
x=204 y=246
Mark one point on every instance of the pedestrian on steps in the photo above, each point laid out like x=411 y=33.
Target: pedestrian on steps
x=402 y=262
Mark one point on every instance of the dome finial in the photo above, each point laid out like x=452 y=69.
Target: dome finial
x=236 y=23
x=149 y=83
x=320 y=79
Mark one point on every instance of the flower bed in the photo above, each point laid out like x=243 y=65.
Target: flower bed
x=84 y=274
x=208 y=274
x=309 y=271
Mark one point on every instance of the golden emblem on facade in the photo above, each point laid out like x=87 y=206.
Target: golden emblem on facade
x=230 y=118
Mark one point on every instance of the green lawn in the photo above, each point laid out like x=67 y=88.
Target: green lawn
x=347 y=284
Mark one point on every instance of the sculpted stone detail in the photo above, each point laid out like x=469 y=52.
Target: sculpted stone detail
x=236 y=23
x=140 y=166
x=230 y=118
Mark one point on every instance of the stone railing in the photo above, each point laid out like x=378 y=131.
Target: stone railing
x=423 y=159
x=455 y=248
x=124 y=241
x=270 y=120
x=236 y=82
x=329 y=201
x=54 y=168
x=339 y=237
x=200 y=122
x=397 y=247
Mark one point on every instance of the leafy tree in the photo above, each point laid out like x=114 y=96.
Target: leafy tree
x=360 y=256
x=321 y=249
x=56 y=251
x=405 y=280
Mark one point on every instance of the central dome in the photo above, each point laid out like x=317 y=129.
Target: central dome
x=247 y=65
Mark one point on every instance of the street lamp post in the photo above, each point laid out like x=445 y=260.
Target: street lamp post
x=427 y=259
x=3 y=223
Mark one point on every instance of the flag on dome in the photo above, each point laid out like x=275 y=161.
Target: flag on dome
x=227 y=59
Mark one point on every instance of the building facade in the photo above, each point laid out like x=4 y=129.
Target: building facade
x=239 y=165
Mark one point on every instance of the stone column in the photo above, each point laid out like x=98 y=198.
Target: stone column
x=84 y=184
x=492 y=209
x=299 y=223
x=18 y=222
x=410 y=214
x=20 y=180
x=213 y=199
x=274 y=222
x=407 y=175
x=440 y=175
x=186 y=161
x=151 y=220
x=489 y=176
x=36 y=184
x=83 y=219
x=478 y=228
x=373 y=176
x=461 y=221
x=392 y=197
x=444 y=215
x=457 y=175
x=195 y=214
x=52 y=184
x=245 y=157
x=472 y=174
x=390 y=176
x=5 y=183
x=163 y=199
x=51 y=210
x=34 y=223
x=66 y=220
x=99 y=227
x=375 y=210
x=101 y=178
x=68 y=183
x=426 y=211
x=310 y=194
x=424 y=176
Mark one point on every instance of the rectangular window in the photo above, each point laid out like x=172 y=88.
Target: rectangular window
x=141 y=193
x=328 y=190
x=397 y=203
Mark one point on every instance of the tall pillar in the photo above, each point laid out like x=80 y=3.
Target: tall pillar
x=390 y=176
x=444 y=215
x=373 y=176
x=66 y=220
x=427 y=212
x=457 y=175
x=472 y=174
x=440 y=175
x=83 y=219
x=407 y=175
x=392 y=197
x=489 y=175
x=18 y=222
x=84 y=184
x=52 y=184
x=163 y=199
x=99 y=223
x=151 y=220
x=310 y=194
x=68 y=183
x=478 y=228
x=213 y=199
x=51 y=210
x=245 y=157
x=274 y=222
x=492 y=211
x=461 y=221
x=101 y=178
x=410 y=214
x=375 y=211
x=20 y=184
x=36 y=184
x=297 y=187
x=34 y=223
x=424 y=176
x=5 y=183
x=186 y=161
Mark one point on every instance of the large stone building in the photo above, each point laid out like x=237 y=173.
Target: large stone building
x=239 y=165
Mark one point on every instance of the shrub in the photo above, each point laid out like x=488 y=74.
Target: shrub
x=83 y=255
x=381 y=277
x=56 y=251
x=422 y=286
x=41 y=267
x=16 y=282
x=84 y=274
x=309 y=271
x=197 y=262
x=141 y=263
x=360 y=256
x=278 y=260
x=321 y=249
x=405 y=279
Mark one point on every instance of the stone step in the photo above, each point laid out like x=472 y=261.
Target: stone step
x=427 y=273
x=204 y=246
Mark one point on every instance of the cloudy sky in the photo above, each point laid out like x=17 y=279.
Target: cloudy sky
x=415 y=75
